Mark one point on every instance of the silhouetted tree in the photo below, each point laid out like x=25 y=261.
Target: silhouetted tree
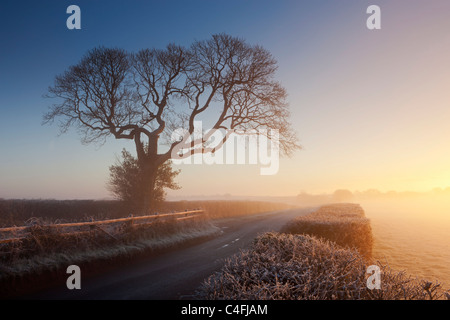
x=145 y=96
x=127 y=182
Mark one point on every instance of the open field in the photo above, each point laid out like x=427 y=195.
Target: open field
x=18 y=212
x=412 y=235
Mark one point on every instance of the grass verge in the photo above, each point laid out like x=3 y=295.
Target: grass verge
x=46 y=253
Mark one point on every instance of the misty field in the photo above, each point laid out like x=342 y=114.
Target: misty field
x=413 y=235
x=18 y=212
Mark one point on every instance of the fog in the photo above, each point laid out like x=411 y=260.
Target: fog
x=411 y=229
x=412 y=234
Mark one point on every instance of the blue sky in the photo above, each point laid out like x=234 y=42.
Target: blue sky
x=343 y=83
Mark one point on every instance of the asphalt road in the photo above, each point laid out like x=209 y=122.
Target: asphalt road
x=178 y=273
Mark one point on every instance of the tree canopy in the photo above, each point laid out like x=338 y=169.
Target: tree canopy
x=145 y=96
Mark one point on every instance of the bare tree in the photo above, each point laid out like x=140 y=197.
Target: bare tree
x=145 y=96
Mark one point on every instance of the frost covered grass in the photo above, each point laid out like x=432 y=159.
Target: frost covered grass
x=302 y=267
x=344 y=224
x=49 y=249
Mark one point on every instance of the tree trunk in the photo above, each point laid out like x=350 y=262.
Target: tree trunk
x=149 y=162
x=149 y=181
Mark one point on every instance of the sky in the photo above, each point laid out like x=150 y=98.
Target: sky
x=371 y=107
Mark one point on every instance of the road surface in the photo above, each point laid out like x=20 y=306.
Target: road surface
x=178 y=273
